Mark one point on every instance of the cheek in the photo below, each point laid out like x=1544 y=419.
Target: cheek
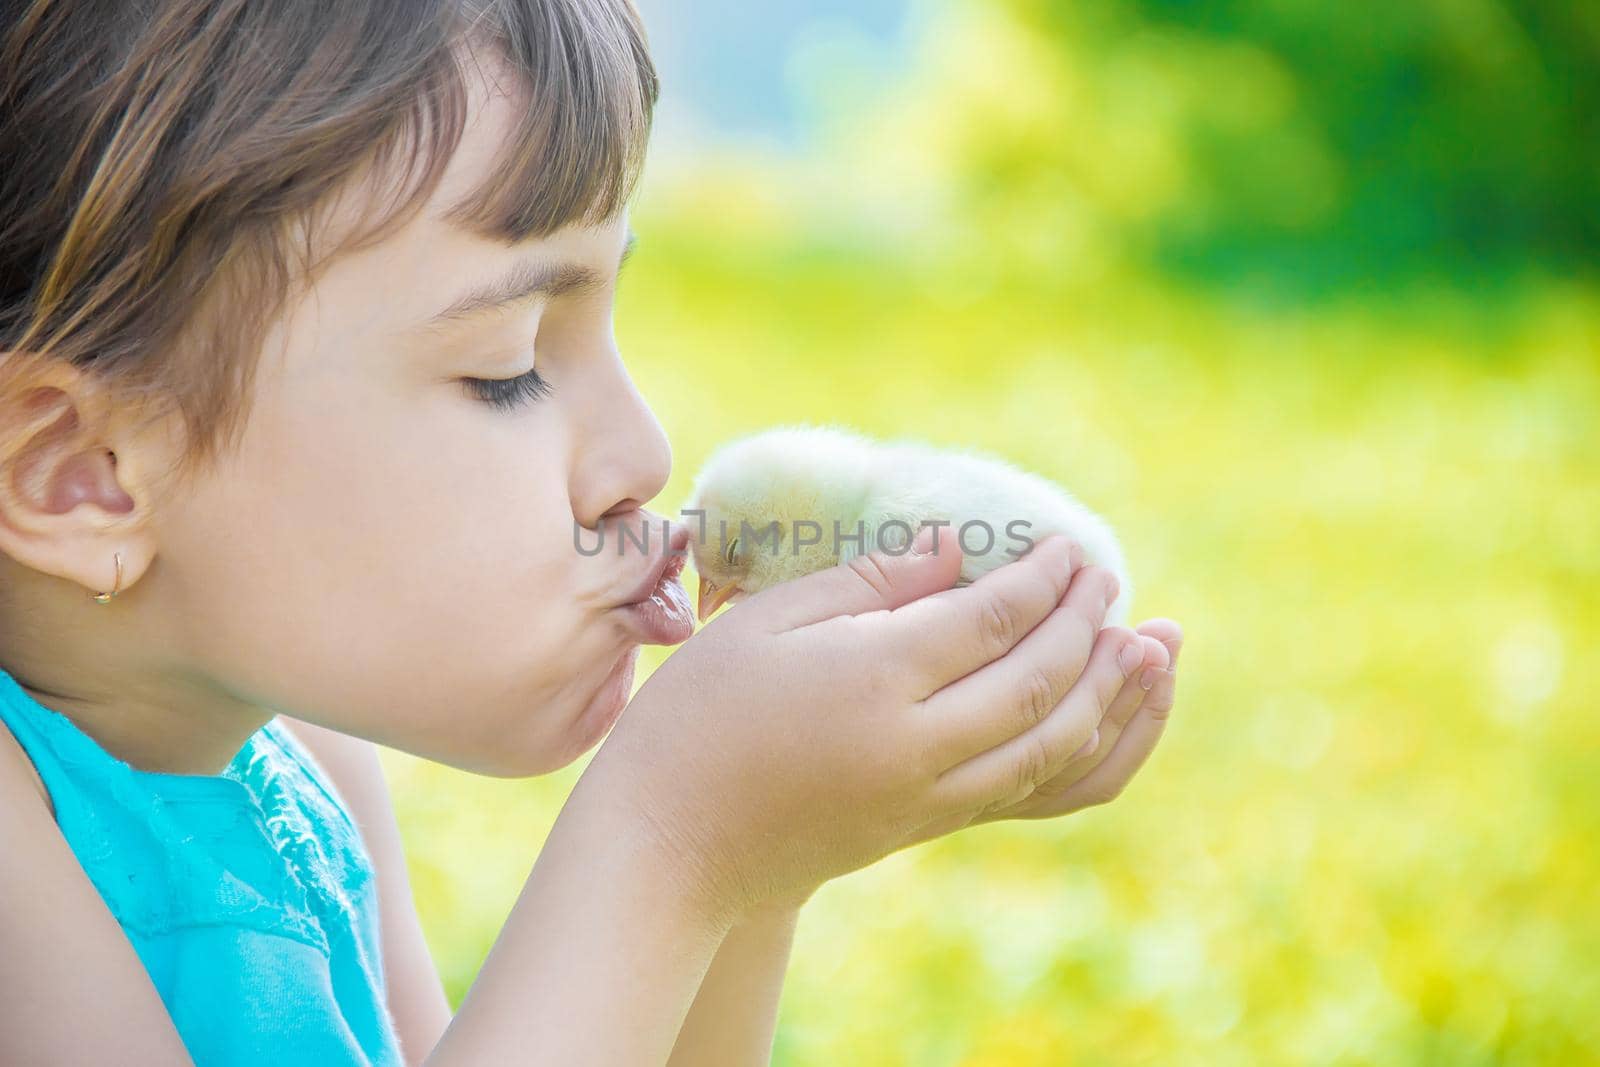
x=401 y=575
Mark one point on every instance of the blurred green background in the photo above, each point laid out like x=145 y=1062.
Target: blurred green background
x=1302 y=297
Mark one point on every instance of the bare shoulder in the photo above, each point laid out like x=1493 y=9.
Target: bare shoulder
x=323 y=741
x=64 y=952
x=18 y=776
x=352 y=764
x=337 y=752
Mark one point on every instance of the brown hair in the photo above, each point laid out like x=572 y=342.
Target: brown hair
x=166 y=162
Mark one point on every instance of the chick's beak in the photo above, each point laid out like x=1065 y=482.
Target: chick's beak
x=711 y=597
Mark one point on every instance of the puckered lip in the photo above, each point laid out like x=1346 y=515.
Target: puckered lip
x=665 y=565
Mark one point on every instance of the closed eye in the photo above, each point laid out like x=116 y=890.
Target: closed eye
x=505 y=394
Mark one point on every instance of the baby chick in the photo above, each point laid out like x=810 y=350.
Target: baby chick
x=785 y=502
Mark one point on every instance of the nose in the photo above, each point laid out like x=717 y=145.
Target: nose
x=621 y=457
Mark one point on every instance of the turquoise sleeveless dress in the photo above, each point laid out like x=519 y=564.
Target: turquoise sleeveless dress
x=249 y=895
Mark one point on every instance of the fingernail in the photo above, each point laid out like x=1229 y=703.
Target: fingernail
x=1113 y=587
x=1074 y=556
x=923 y=545
x=1147 y=680
x=1132 y=656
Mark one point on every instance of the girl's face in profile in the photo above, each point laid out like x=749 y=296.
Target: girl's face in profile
x=396 y=546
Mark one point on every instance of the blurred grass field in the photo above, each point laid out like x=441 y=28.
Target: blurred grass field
x=1369 y=836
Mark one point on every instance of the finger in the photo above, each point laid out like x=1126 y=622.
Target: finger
x=871 y=582
x=1123 y=708
x=1046 y=801
x=1107 y=779
x=1015 y=693
x=1135 y=690
x=1010 y=772
x=1168 y=632
x=951 y=634
x=1101 y=743
x=1163 y=638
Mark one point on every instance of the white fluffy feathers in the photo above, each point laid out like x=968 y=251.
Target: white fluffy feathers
x=824 y=486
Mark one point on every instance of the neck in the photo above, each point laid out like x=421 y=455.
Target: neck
x=119 y=675
x=152 y=732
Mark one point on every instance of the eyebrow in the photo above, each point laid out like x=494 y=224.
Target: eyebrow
x=525 y=281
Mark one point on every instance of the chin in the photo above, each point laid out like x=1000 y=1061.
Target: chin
x=604 y=708
x=583 y=731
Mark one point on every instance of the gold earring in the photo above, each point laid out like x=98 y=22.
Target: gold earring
x=105 y=598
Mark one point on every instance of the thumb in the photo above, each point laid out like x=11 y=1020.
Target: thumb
x=874 y=581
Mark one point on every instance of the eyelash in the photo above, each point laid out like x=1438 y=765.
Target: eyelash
x=504 y=394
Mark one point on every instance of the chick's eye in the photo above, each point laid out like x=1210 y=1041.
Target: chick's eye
x=733 y=549
x=504 y=394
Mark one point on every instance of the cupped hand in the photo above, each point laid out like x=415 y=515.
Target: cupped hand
x=1133 y=725
x=826 y=722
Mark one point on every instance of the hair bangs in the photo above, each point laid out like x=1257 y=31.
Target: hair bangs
x=580 y=143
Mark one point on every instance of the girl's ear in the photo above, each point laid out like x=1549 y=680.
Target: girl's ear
x=70 y=501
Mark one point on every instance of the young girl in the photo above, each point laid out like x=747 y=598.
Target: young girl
x=307 y=382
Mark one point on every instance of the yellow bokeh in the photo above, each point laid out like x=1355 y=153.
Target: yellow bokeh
x=1370 y=834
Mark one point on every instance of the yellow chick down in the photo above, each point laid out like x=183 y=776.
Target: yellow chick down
x=782 y=503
